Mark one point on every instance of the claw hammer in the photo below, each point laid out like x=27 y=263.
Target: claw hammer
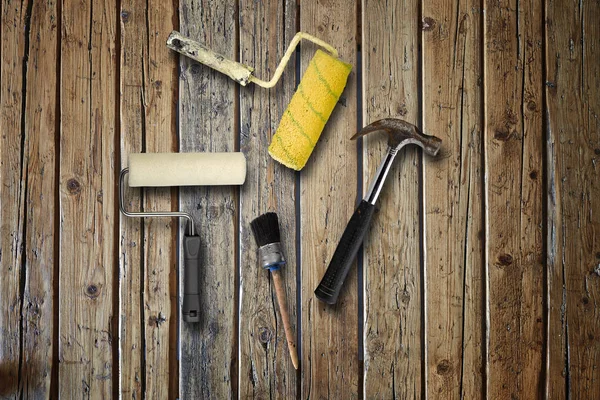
x=400 y=133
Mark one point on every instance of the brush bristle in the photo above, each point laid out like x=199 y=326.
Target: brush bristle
x=266 y=229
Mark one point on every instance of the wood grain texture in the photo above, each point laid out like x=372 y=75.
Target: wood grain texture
x=131 y=275
x=265 y=366
x=149 y=264
x=514 y=148
x=84 y=84
x=392 y=274
x=328 y=196
x=160 y=288
x=209 y=349
x=573 y=153
x=453 y=196
x=14 y=37
x=40 y=114
x=87 y=206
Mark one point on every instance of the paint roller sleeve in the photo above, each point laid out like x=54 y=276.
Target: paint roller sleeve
x=308 y=111
x=186 y=169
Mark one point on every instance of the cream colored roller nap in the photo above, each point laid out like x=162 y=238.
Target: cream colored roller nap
x=186 y=169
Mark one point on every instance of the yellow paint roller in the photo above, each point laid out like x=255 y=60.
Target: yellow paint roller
x=311 y=106
x=183 y=169
x=305 y=117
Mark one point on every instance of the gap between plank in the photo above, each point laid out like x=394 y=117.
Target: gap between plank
x=23 y=189
x=298 y=239
x=235 y=363
x=360 y=265
x=545 y=214
x=116 y=325
x=174 y=370
x=485 y=319
x=422 y=219
x=56 y=256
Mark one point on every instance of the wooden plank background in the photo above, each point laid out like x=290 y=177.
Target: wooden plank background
x=480 y=277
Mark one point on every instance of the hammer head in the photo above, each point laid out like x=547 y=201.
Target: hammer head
x=401 y=133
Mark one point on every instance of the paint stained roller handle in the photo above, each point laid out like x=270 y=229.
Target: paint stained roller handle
x=191 y=276
x=345 y=253
x=196 y=51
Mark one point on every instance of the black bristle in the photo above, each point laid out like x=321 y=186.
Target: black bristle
x=266 y=229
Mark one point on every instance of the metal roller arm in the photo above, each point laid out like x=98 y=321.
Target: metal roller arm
x=178 y=214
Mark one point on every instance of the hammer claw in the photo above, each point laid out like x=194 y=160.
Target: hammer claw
x=401 y=133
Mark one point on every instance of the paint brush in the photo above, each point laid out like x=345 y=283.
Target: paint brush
x=270 y=254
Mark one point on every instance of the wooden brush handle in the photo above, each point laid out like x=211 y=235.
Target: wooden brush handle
x=285 y=317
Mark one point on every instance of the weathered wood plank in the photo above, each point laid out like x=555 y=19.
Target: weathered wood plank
x=453 y=200
x=573 y=152
x=514 y=148
x=392 y=273
x=266 y=370
x=328 y=194
x=148 y=124
x=14 y=37
x=87 y=206
x=132 y=128
x=160 y=289
x=207 y=106
x=38 y=322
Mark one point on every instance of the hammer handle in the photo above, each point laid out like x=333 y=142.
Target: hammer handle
x=343 y=257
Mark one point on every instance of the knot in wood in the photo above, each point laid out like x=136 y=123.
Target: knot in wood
x=428 y=24
x=265 y=335
x=505 y=259
x=92 y=291
x=504 y=134
x=158 y=320
x=402 y=110
x=125 y=16
x=444 y=368
x=585 y=300
x=73 y=186
x=405 y=296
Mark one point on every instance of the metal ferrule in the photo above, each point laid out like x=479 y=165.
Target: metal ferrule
x=271 y=255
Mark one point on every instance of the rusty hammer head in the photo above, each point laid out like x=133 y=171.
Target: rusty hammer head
x=401 y=133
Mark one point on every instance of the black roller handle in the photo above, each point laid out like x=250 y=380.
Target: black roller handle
x=191 y=278
x=345 y=253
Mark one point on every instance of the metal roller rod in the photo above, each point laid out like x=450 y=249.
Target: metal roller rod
x=178 y=214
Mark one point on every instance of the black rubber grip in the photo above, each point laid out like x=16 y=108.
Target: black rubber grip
x=345 y=253
x=191 y=282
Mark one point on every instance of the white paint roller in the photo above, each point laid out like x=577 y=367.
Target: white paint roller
x=183 y=169
x=186 y=169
